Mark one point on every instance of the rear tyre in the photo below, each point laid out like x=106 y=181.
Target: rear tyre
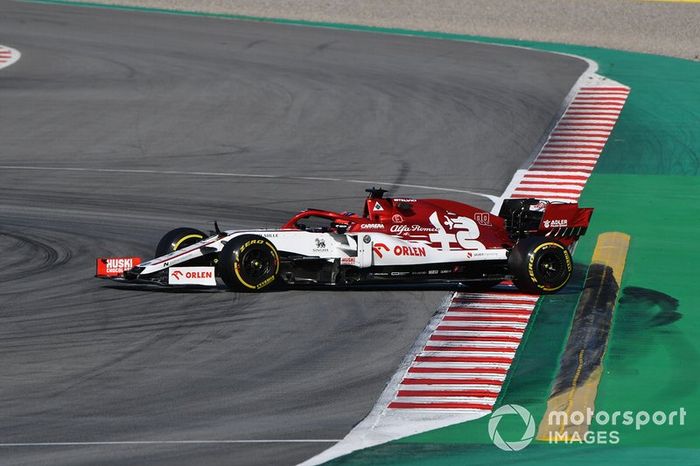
x=540 y=265
x=177 y=239
x=249 y=263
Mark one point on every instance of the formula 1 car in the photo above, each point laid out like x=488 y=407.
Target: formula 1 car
x=395 y=240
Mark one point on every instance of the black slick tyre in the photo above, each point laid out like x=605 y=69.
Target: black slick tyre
x=249 y=263
x=177 y=239
x=540 y=265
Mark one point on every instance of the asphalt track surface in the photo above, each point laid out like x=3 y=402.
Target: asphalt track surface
x=83 y=361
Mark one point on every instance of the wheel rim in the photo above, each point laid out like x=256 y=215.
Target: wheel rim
x=256 y=264
x=179 y=245
x=551 y=268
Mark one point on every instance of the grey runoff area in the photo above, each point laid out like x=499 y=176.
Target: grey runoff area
x=666 y=28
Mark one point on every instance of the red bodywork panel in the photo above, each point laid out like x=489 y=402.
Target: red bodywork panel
x=415 y=219
x=419 y=219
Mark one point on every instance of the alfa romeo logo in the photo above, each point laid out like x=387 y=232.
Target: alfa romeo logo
x=512 y=410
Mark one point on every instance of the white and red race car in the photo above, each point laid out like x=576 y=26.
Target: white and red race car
x=395 y=240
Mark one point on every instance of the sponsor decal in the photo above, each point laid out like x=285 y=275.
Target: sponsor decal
x=378 y=248
x=397 y=199
x=539 y=207
x=348 y=260
x=115 y=266
x=409 y=251
x=320 y=245
x=270 y=235
x=377 y=207
x=191 y=276
x=407 y=229
x=118 y=264
x=371 y=226
x=557 y=223
x=467 y=232
x=483 y=218
x=396 y=218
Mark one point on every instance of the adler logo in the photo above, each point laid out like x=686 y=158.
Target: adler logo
x=555 y=223
x=192 y=276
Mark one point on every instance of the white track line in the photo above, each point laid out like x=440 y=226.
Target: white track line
x=8 y=56
x=162 y=442
x=245 y=175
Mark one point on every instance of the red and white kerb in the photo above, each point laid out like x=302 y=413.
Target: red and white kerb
x=465 y=361
x=567 y=159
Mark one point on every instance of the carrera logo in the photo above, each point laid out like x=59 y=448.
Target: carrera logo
x=371 y=226
x=192 y=276
x=409 y=251
x=558 y=223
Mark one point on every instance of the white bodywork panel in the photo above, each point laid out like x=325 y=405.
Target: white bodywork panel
x=360 y=249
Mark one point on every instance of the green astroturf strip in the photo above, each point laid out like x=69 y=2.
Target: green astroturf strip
x=646 y=184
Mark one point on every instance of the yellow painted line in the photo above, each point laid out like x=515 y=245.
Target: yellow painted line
x=611 y=252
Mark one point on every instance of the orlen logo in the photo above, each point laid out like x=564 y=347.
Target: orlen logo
x=177 y=274
x=119 y=264
x=378 y=248
x=409 y=251
x=192 y=276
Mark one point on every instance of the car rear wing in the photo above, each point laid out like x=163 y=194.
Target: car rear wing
x=534 y=217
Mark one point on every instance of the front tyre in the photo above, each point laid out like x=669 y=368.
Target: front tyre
x=177 y=239
x=539 y=265
x=249 y=263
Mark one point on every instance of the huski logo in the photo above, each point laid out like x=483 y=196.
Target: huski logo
x=512 y=410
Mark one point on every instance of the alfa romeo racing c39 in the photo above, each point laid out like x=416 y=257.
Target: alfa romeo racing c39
x=395 y=240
